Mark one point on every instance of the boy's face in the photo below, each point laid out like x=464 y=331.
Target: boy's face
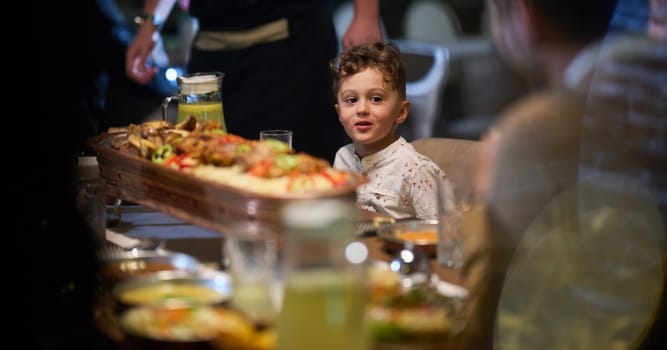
x=370 y=110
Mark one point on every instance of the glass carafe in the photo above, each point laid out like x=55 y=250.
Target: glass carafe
x=199 y=95
x=324 y=300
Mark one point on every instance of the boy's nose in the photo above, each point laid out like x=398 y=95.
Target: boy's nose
x=362 y=107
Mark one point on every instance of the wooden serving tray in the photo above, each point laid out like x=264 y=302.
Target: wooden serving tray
x=199 y=201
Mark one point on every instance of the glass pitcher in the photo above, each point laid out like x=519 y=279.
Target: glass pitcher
x=199 y=95
x=324 y=296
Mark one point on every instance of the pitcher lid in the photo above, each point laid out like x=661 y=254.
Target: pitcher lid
x=199 y=84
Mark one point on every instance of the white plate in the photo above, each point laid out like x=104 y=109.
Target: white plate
x=444 y=288
x=449 y=289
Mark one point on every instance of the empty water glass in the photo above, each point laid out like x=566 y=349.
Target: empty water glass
x=450 y=238
x=251 y=254
x=280 y=135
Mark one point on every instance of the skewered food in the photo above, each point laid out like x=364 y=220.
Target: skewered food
x=205 y=150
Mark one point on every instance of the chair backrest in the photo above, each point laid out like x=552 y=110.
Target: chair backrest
x=431 y=21
x=456 y=157
x=426 y=67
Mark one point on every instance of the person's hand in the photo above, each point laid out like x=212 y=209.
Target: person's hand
x=136 y=57
x=361 y=31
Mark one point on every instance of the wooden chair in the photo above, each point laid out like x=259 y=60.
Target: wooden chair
x=456 y=157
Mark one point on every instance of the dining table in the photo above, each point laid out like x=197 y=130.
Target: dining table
x=136 y=226
x=150 y=208
x=139 y=226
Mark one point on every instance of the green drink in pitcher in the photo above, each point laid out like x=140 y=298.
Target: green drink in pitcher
x=324 y=310
x=324 y=294
x=202 y=111
x=199 y=95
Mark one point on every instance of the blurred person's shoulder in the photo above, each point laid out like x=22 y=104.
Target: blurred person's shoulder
x=543 y=114
x=620 y=58
x=628 y=46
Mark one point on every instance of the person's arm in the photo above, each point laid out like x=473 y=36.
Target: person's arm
x=155 y=13
x=365 y=25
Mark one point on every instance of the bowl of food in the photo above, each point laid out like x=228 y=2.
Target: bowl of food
x=414 y=318
x=422 y=235
x=163 y=327
x=194 y=328
x=175 y=289
x=117 y=266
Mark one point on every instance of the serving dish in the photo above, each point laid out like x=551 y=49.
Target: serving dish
x=422 y=235
x=175 y=289
x=415 y=318
x=199 y=327
x=118 y=265
x=192 y=328
x=200 y=201
x=175 y=320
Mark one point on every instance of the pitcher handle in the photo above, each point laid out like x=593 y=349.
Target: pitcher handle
x=165 y=106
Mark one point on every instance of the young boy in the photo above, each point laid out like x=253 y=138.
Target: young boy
x=369 y=86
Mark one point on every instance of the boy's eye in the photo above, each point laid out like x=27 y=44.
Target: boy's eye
x=350 y=100
x=376 y=98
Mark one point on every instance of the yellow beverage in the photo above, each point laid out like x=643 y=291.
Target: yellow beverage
x=202 y=111
x=254 y=300
x=323 y=310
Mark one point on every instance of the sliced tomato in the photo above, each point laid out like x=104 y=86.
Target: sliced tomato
x=261 y=168
x=337 y=177
x=178 y=161
x=231 y=138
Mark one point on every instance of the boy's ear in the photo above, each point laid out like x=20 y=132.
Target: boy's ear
x=338 y=111
x=403 y=113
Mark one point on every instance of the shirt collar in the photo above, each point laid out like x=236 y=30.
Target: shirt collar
x=372 y=160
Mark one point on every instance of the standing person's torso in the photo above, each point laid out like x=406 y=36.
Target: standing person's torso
x=244 y=14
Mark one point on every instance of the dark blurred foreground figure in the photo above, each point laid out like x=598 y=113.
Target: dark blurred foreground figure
x=623 y=167
x=274 y=54
x=565 y=245
x=55 y=308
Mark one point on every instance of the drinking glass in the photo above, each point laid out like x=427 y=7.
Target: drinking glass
x=450 y=239
x=281 y=135
x=252 y=260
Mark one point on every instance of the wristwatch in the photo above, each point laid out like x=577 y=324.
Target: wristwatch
x=147 y=17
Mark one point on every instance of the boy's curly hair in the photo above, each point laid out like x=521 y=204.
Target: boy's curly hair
x=385 y=57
